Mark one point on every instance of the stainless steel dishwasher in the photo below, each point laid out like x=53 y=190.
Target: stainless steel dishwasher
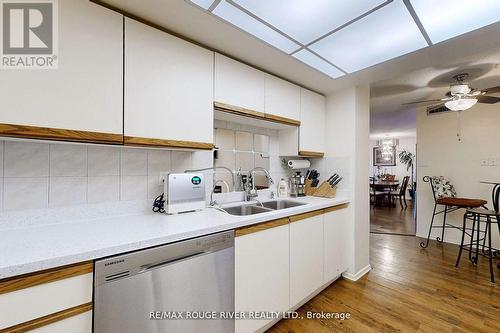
x=146 y=291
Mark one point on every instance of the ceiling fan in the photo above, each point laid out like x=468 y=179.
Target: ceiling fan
x=462 y=97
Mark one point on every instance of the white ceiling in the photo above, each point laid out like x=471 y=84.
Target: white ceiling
x=340 y=38
x=191 y=22
x=390 y=117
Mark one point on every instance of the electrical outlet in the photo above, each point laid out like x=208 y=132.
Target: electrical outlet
x=163 y=176
x=492 y=161
x=484 y=162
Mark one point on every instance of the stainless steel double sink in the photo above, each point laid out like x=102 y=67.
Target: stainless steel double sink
x=257 y=208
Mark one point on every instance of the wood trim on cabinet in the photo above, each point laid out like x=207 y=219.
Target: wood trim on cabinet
x=299 y=217
x=314 y=154
x=50 y=275
x=48 y=133
x=239 y=111
x=162 y=143
x=281 y=120
x=261 y=226
x=49 y=319
x=335 y=208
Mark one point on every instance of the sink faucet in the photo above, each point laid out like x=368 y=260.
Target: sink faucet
x=251 y=192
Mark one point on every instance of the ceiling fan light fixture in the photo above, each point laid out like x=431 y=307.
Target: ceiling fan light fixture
x=459 y=89
x=460 y=104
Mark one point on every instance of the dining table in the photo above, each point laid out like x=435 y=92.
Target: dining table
x=383 y=185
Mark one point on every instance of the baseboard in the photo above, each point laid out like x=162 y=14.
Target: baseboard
x=358 y=275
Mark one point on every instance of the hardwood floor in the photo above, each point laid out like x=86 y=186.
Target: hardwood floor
x=393 y=220
x=408 y=290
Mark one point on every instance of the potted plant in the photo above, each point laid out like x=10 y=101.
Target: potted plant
x=408 y=159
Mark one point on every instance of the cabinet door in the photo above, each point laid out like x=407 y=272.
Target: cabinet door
x=23 y=305
x=312 y=122
x=306 y=258
x=238 y=85
x=335 y=244
x=85 y=92
x=261 y=274
x=81 y=323
x=168 y=87
x=282 y=98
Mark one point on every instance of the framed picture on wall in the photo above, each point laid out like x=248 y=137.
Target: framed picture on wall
x=385 y=156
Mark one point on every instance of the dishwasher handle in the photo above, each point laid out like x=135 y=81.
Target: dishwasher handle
x=149 y=267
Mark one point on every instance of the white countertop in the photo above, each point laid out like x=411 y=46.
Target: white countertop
x=38 y=247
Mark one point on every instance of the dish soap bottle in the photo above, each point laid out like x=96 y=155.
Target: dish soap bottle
x=282 y=188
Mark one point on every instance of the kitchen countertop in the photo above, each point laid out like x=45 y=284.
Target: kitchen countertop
x=38 y=247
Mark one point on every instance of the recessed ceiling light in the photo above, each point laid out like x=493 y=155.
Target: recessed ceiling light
x=319 y=64
x=306 y=21
x=385 y=34
x=445 y=19
x=252 y=26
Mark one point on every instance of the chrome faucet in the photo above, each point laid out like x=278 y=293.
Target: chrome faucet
x=251 y=191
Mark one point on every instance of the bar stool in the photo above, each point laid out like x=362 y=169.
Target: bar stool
x=444 y=195
x=477 y=216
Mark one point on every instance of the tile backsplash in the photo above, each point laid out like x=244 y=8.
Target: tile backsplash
x=242 y=147
x=37 y=174
x=40 y=175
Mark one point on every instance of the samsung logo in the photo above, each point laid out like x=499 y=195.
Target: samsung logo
x=109 y=263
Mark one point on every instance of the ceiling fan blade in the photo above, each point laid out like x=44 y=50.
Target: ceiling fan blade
x=491 y=90
x=487 y=99
x=430 y=101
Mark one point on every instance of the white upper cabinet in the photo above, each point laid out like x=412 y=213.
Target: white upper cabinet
x=282 y=98
x=312 y=121
x=239 y=85
x=168 y=86
x=306 y=258
x=335 y=236
x=262 y=273
x=85 y=92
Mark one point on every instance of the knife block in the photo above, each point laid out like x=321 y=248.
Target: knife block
x=309 y=189
x=323 y=191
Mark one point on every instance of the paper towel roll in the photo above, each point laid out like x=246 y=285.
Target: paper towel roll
x=299 y=164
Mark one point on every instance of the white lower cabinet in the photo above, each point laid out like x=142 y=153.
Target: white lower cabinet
x=306 y=257
x=27 y=304
x=81 y=323
x=261 y=274
x=335 y=243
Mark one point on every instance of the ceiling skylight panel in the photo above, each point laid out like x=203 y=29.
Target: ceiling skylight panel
x=252 y=26
x=384 y=34
x=317 y=63
x=308 y=20
x=445 y=19
x=205 y=4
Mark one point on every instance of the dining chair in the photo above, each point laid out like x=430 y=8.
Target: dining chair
x=377 y=196
x=400 y=193
x=445 y=195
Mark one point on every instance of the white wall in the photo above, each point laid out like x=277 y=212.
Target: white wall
x=408 y=144
x=440 y=153
x=347 y=123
